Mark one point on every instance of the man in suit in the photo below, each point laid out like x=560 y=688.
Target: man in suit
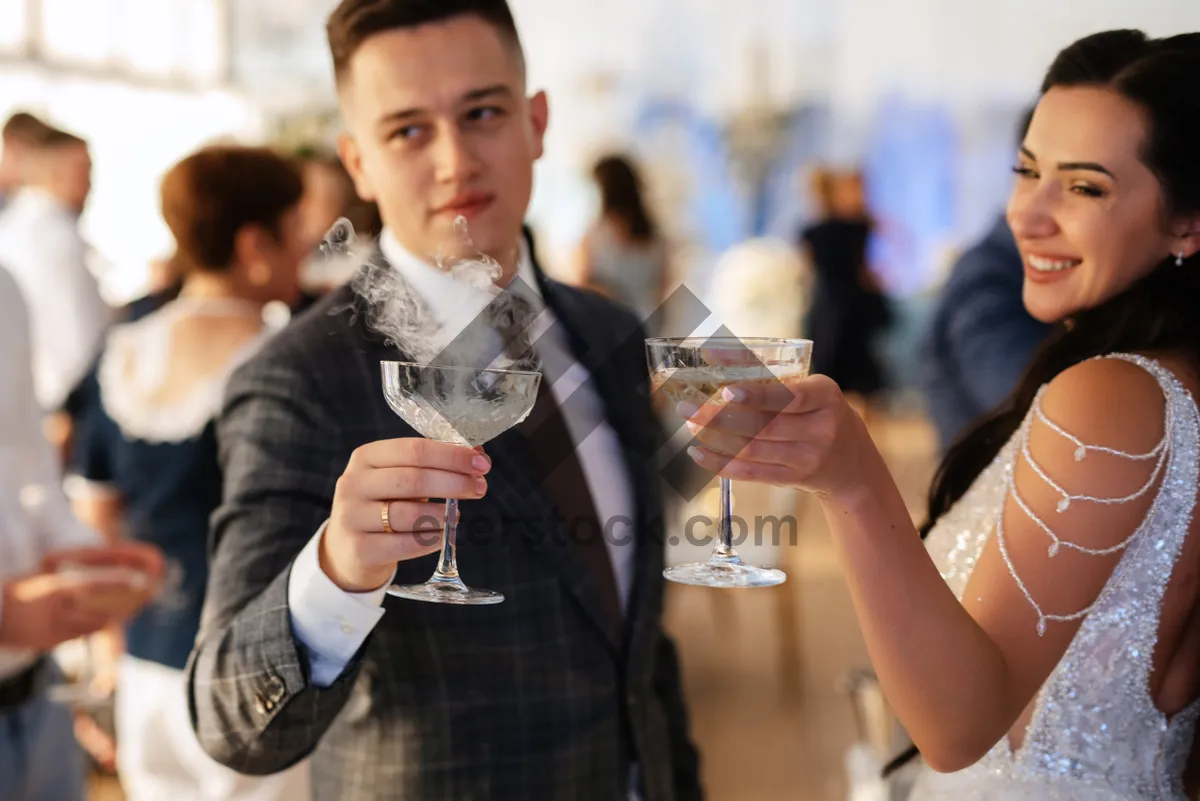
x=981 y=338
x=567 y=689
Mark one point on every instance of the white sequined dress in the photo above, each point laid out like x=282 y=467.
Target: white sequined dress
x=1095 y=734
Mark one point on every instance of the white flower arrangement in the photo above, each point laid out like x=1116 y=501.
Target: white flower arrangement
x=760 y=289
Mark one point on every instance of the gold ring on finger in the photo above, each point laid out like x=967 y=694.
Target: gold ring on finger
x=383 y=515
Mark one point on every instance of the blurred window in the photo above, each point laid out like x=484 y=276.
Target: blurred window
x=14 y=25
x=82 y=33
x=163 y=40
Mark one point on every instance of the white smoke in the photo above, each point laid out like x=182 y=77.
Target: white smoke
x=394 y=311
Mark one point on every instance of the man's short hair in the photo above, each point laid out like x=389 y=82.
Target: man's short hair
x=210 y=195
x=355 y=21
x=57 y=139
x=25 y=127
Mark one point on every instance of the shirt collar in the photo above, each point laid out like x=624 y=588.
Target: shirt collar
x=37 y=199
x=453 y=302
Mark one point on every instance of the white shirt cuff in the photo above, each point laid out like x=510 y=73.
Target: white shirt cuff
x=328 y=622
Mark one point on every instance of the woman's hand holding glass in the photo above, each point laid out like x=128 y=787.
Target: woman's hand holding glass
x=796 y=433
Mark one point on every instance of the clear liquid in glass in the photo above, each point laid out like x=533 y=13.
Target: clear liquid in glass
x=694 y=370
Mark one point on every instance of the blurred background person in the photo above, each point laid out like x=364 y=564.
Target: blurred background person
x=623 y=255
x=848 y=311
x=981 y=338
x=146 y=458
x=329 y=195
x=328 y=191
x=21 y=133
x=43 y=249
x=41 y=605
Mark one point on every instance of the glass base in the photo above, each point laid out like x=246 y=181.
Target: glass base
x=445 y=591
x=727 y=572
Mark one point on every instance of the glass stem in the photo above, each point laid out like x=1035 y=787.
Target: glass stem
x=724 y=546
x=447 y=569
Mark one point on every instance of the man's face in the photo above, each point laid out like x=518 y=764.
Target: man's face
x=439 y=127
x=71 y=170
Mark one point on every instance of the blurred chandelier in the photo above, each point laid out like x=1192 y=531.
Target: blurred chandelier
x=755 y=133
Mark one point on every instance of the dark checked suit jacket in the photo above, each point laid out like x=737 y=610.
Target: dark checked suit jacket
x=535 y=698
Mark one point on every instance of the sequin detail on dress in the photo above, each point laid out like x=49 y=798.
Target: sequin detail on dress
x=1095 y=733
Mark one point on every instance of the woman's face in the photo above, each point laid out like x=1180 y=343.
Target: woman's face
x=1087 y=214
x=848 y=195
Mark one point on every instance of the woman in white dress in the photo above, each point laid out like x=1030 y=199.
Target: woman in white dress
x=1044 y=641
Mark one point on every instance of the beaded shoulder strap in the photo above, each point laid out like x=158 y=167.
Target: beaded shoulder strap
x=1159 y=454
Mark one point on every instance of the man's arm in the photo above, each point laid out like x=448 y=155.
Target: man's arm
x=253 y=704
x=292 y=600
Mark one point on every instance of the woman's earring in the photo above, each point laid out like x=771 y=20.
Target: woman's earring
x=1179 y=259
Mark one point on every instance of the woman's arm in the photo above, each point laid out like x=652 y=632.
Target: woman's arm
x=958 y=675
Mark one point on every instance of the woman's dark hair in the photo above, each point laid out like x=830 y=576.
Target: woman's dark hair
x=210 y=195
x=621 y=196
x=1158 y=313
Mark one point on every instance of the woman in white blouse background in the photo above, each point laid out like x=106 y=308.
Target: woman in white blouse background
x=41 y=604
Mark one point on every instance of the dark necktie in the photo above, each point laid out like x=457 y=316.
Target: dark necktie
x=557 y=469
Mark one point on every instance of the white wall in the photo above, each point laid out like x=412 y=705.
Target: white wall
x=961 y=51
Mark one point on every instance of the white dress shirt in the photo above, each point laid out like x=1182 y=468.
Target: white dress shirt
x=332 y=624
x=41 y=246
x=35 y=517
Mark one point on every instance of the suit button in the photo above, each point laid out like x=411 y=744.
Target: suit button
x=269 y=695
